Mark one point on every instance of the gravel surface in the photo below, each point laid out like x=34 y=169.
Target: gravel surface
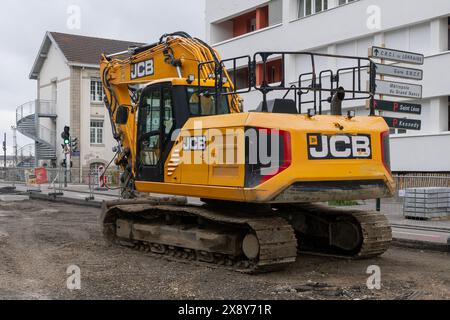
x=40 y=240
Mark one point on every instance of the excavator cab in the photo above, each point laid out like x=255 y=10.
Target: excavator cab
x=164 y=108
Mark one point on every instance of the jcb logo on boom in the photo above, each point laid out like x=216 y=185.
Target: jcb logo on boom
x=339 y=146
x=142 y=69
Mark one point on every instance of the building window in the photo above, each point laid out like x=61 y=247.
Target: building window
x=342 y=2
x=95 y=167
x=448 y=33
x=274 y=72
x=96 y=132
x=448 y=115
x=252 y=21
x=242 y=78
x=96 y=91
x=309 y=7
x=252 y=25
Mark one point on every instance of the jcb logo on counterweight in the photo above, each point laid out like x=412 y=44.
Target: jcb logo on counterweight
x=339 y=147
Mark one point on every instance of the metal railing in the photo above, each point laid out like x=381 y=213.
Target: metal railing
x=26 y=155
x=40 y=107
x=56 y=175
x=418 y=180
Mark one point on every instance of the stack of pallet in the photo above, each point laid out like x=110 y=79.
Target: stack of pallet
x=427 y=203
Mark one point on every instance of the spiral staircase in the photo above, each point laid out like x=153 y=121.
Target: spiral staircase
x=29 y=117
x=25 y=156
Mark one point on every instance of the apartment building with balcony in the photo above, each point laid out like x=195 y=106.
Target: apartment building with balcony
x=348 y=27
x=69 y=93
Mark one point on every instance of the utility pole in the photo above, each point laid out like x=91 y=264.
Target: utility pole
x=14 y=130
x=4 y=152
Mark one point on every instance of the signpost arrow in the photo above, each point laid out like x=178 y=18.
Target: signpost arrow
x=400 y=107
x=397 y=55
x=399 y=72
x=398 y=89
x=406 y=124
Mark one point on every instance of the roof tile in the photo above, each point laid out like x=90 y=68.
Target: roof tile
x=88 y=50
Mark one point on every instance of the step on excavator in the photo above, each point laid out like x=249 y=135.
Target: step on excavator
x=177 y=115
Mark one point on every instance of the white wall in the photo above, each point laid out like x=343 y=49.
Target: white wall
x=55 y=69
x=431 y=152
x=411 y=25
x=217 y=11
x=275 y=12
x=334 y=26
x=221 y=31
x=95 y=111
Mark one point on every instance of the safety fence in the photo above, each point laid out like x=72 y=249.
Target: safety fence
x=422 y=180
x=110 y=178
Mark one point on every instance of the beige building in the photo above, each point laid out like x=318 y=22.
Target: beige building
x=69 y=93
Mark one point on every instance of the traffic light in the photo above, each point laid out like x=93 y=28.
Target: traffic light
x=66 y=135
x=64 y=164
x=75 y=145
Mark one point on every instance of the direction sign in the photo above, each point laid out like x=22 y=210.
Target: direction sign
x=397 y=55
x=400 y=107
x=398 y=89
x=399 y=72
x=406 y=124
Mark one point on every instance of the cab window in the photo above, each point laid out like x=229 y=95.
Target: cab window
x=150 y=145
x=203 y=102
x=169 y=121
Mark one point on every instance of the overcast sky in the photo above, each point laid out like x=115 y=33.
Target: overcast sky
x=24 y=23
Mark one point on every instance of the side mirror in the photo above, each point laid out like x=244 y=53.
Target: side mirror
x=122 y=115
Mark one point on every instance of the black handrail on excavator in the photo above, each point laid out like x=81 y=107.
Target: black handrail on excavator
x=316 y=79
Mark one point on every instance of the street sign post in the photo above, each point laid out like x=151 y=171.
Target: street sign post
x=400 y=107
x=397 y=55
x=398 y=89
x=398 y=72
x=406 y=124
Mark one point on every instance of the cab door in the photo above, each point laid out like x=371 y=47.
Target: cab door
x=155 y=126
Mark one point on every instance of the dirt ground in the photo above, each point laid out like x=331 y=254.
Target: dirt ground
x=40 y=240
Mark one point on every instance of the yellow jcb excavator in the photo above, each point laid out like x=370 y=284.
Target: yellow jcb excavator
x=177 y=116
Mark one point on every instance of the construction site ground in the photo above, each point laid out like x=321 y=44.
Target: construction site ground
x=39 y=240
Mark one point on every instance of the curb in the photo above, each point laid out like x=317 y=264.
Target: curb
x=421 y=245
x=77 y=202
x=87 y=192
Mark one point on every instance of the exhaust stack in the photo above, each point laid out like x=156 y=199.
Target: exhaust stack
x=336 y=102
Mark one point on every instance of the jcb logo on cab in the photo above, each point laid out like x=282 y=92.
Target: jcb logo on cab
x=194 y=143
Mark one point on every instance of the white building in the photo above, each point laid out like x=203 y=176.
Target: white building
x=347 y=27
x=69 y=93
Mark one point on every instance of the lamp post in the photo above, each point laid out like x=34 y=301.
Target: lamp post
x=4 y=151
